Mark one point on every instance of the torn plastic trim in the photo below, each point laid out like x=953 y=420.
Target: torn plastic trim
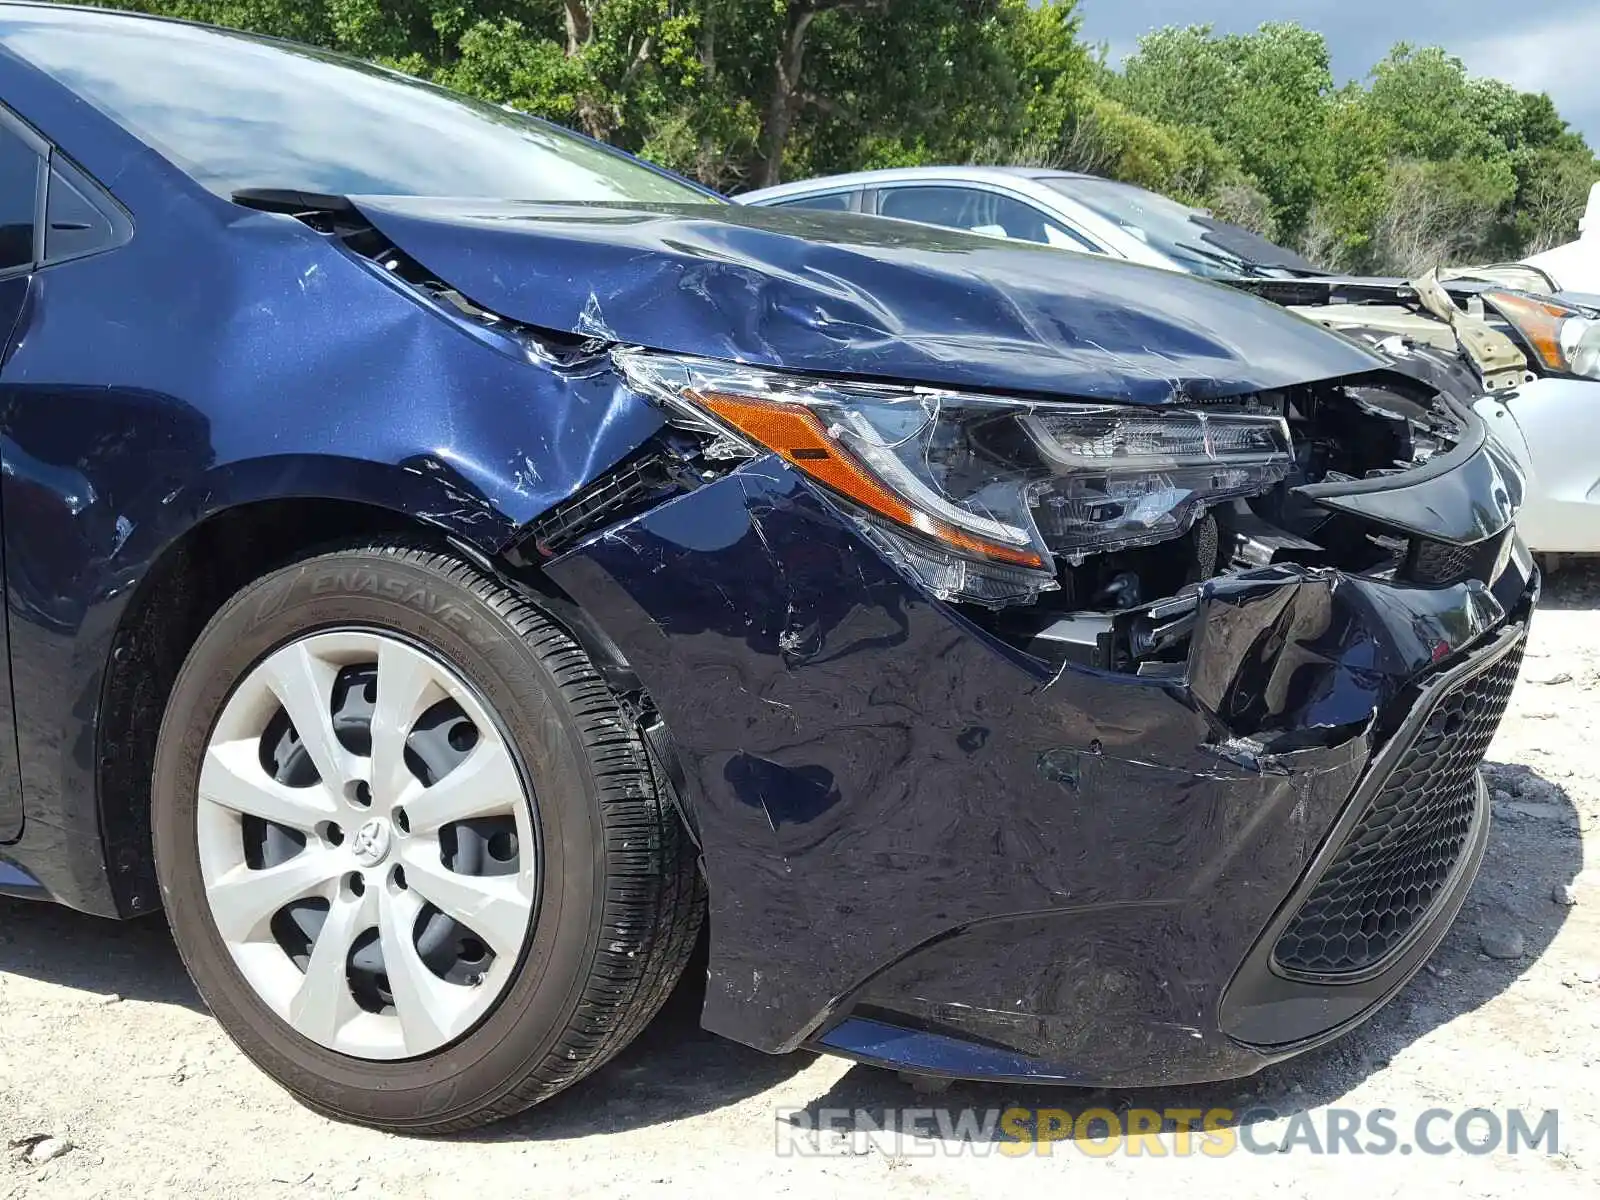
x=339 y=219
x=1465 y=495
x=666 y=467
x=1286 y=657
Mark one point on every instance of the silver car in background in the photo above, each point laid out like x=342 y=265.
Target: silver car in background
x=1066 y=209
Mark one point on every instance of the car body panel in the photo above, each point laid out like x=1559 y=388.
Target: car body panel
x=874 y=777
x=1562 y=514
x=845 y=295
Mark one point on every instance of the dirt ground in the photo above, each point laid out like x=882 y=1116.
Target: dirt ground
x=104 y=1045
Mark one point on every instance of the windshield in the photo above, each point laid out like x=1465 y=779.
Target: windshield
x=1190 y=237
x=237 y=112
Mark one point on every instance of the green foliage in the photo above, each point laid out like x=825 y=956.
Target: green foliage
x=1421 y=163
x=1260 y=96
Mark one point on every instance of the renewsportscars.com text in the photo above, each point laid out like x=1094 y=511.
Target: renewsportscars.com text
x=1163 y=1133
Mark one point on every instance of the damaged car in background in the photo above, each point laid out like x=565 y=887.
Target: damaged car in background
x=451 y=564
x=1532 y=360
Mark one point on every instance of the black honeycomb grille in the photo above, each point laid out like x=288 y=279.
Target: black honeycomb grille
x=1396 y=860
x=1439 y=564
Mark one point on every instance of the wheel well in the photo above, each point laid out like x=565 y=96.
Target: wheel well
x=182 y=592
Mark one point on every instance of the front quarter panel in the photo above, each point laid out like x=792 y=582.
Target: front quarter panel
x=223 y=357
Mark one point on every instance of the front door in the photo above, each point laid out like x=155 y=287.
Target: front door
x=21 y=194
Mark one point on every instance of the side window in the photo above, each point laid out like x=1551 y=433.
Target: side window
x=1069 y=239
x=19 y=200
x=80 y=218
x=831 y=202
x=976 y=211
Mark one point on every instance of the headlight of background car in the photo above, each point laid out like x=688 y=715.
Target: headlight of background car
x=978 y=495
x=1565 y=339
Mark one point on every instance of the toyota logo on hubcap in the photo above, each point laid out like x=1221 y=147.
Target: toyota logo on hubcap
x=372 y=842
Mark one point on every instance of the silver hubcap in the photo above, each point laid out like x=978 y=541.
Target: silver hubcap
x=366 y=844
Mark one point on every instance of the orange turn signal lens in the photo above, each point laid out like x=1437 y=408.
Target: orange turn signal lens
x=793 y=432
x=1538 y=322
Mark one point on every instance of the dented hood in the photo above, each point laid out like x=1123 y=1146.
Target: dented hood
x=860 y=296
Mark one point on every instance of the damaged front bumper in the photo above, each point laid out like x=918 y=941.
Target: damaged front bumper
x=928 y=846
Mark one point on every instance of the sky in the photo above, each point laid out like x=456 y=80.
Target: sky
x=1552 y=47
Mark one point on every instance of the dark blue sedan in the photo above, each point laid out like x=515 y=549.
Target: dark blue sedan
x=449 y=563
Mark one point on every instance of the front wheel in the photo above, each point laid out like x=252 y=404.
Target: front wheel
x=410 y=847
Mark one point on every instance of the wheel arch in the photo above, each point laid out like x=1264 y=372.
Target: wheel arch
x=232 y=527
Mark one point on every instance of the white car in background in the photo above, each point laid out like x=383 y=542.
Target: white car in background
x=1575 y=267
x=1537 y=357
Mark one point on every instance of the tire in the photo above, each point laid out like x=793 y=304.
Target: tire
x=598 y=856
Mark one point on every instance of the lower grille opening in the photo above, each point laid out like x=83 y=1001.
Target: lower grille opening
x=1440 y=564
x=1397 y=859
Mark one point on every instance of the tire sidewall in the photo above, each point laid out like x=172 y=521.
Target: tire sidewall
x=386 y=593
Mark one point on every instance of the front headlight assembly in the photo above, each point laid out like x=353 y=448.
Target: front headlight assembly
x=1565 y=340
x=978 y=495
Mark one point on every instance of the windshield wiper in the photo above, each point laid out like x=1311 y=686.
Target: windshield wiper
x=1247 y=269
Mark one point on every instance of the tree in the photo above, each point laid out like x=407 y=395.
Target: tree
x=1262 y=98
x=1436 y=112
x=785 y=94
x=1505 y=172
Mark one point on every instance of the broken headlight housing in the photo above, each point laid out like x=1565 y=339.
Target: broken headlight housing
x=978 y=495
x=1565 y=340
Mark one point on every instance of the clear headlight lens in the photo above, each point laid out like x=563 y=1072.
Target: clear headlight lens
x=1563 y=338
x=974 y=494
x=1130 y=477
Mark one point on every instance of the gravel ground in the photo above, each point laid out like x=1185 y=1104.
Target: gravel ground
x=104 y=1045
